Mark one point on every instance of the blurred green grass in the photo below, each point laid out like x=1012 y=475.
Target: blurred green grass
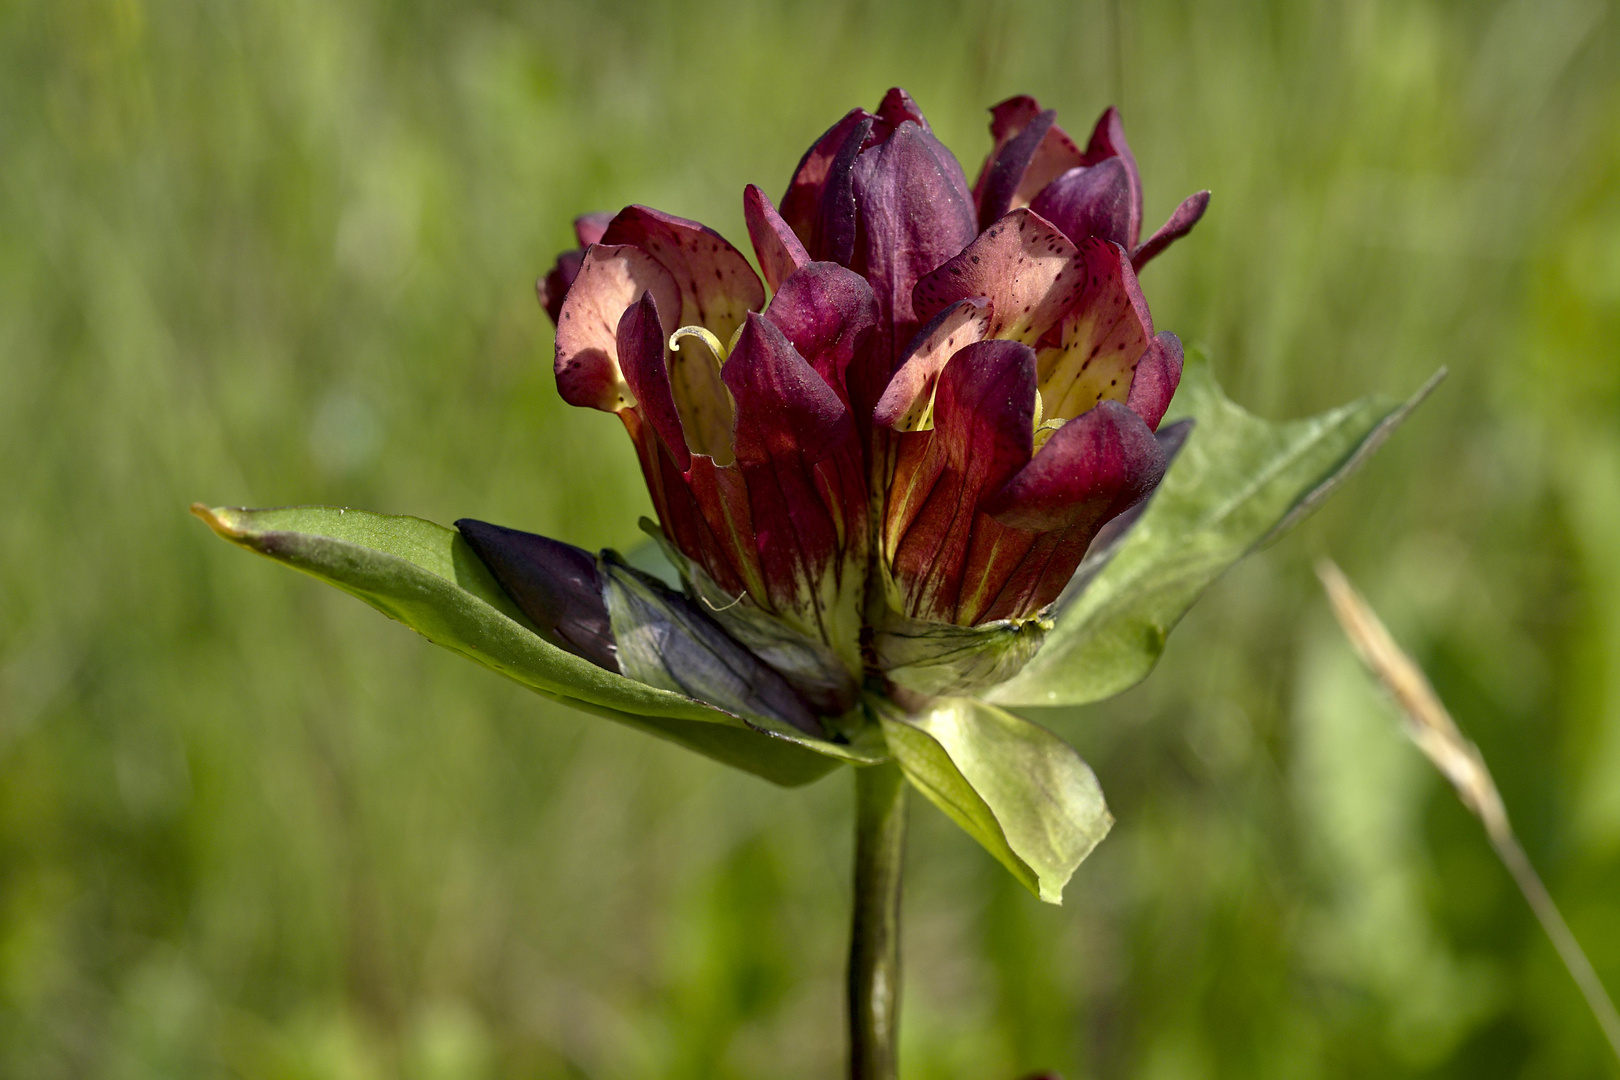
x=273 y=253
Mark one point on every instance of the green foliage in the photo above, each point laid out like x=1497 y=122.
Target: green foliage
x=1020 y=791
x=1238 y=483
x=425 y=576
x=271 y=253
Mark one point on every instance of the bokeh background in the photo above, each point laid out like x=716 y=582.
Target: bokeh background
x=268 y=253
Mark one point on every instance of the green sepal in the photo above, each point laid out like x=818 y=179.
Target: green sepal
x=939 y=659
x=425 y=576
x=1023 y=793
x=1238 y=484
x=812 y=666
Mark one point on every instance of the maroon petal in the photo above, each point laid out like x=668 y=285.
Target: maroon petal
x=712 y=523
x=1180 y=224
x=1041 y=523
x=820 y=205
x=897 y=107
x=641 y=355
x=915 y=212
x=983 y=413
x=984 y=409
x=1108 y=140
x=1026 y=267
x=553 y=288
x=784 y=407
x=1102 y=336
x=1002 y=178
x=1158 y=373
x=1104 y=546
x=555 y=584
x=801 y=203
x=590 y=227
x=779 y=249
x=909 y=396
x=1030 y=152
x=1091 y=468
x=796 y=446
x=718 y=287
x=1029 y=162
x=827 y=313
x=610 y=280
x=1007 y=119
x=1056 y=566
x=1094 y=201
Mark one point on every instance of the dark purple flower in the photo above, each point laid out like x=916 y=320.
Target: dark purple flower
x=985 y=400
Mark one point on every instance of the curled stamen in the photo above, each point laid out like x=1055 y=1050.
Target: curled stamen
x=734 y=602
x=707 y=337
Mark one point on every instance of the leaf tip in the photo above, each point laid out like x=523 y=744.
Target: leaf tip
x=214 y=518
x=227 y=523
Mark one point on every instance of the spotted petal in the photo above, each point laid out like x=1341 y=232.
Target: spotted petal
x=908 y=402
x=1023 y=264
x=610 y=280
x=1103 y=334
x=718 y=288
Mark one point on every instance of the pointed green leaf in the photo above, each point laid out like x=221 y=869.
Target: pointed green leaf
x=1239 y=483
x=425 y=576
x=1020 y=791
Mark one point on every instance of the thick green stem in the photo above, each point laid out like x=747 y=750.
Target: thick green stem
x=874 y=950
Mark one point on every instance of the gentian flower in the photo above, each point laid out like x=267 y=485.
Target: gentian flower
x=892 y=468
x=900 y=482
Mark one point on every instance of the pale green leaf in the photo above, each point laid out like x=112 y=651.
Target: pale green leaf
x=425 y=576
x=1016 y=788
x=1238 y=483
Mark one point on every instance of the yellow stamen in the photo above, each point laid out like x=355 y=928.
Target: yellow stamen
x=705 y=405
x=705 y=336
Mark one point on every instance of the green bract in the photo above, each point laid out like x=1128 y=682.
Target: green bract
x=425 y=576
x=1239 y=483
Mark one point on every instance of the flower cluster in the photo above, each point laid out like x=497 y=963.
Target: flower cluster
x=885 y=460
